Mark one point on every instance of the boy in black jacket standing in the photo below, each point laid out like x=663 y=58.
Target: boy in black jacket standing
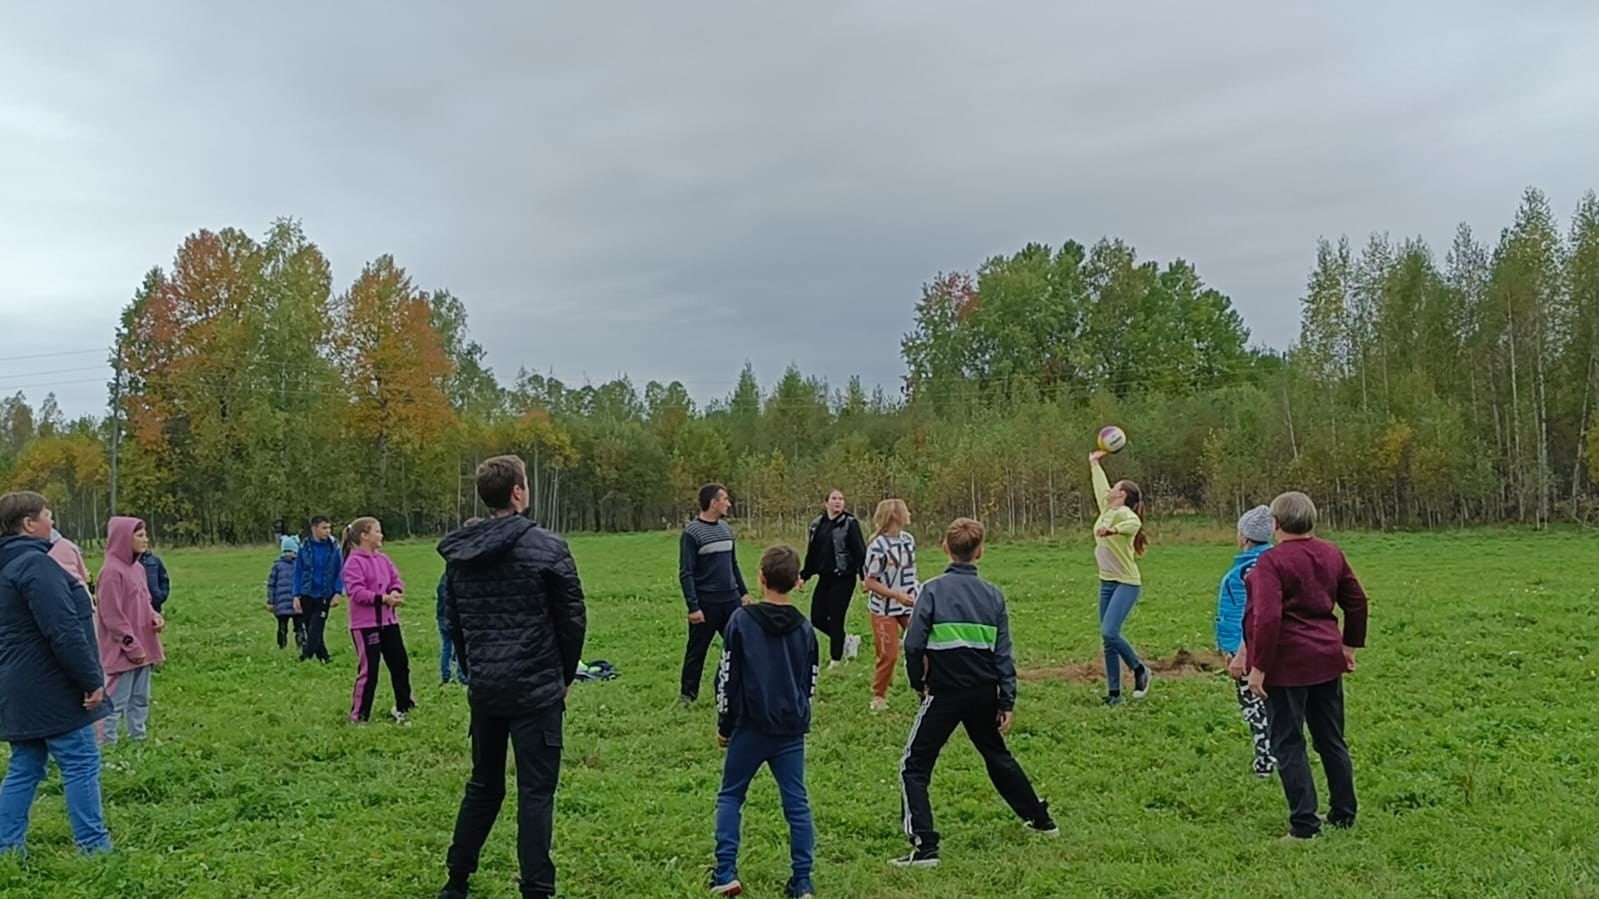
x=958 y=656
x=763 y=711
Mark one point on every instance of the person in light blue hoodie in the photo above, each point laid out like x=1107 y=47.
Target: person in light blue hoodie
x=1254 y=538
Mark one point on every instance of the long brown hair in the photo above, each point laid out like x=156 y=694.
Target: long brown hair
x=354 y=531
x=1135 y=501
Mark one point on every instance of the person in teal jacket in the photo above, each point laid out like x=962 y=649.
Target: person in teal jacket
x=1254 y=538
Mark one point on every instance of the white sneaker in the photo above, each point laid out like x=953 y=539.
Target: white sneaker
x=879 y=704
x=852 y=646
x=399 y=716
x=832 y=664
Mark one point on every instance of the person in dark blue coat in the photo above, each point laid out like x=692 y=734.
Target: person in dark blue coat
x=160 y=584
x=52 y=688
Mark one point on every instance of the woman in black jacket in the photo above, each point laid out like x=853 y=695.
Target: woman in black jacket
x=835 y=554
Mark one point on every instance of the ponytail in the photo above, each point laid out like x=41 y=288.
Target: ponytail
x=1135 y=501
x=354 y=531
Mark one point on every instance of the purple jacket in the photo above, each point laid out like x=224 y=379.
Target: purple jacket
x=368 y=577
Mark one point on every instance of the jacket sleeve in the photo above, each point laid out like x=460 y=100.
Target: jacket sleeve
x=816 y=662
x=1230 y=601
x=809 y=569
x=115 y=595
x=687 y=557
x=1128 y=524
x=1005 y=657
x=729 y=679
x=163 y=583
x=338 y=571
x=300 y=564
x=452 y=614
x=395 y=581
x=916 y=635
x=358 y=586
x=1264 y=608
x=439 y=609
x=569 y=612
x=1352 y=599
x=738 y=573
x=272 y=583
x=857 y=548
x=49 y=594
x=1101 y=487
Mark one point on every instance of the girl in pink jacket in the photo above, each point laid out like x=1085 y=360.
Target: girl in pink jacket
x=375 y=591
x=128 y=628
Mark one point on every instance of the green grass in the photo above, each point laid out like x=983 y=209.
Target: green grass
x=1472 y=721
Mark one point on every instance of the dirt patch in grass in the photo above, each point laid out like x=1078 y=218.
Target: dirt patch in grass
x=1183 y=664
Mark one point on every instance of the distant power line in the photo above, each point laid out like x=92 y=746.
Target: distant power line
x=98 y=349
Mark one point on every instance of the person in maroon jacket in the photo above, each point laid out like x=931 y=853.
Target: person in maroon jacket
x=1298 y=658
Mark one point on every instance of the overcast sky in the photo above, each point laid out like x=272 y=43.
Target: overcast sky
x=669 y=189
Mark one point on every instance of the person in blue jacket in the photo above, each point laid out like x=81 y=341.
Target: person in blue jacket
x=52 y=687
x=446 y=644
x=160 y=584
x=1254 y=538
x=318 y=581
x=280 y=593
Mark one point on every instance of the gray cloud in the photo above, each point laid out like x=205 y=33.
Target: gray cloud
x=669 y=189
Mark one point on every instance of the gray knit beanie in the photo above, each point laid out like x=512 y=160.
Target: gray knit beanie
x=1256 y=525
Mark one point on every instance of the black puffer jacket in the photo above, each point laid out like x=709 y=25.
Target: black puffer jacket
x=515 y=610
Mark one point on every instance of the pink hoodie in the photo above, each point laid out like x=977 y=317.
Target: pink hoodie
x=368 y=577
x=70 y=557
x=126 y=626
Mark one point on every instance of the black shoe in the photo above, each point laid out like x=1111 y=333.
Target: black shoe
x=685 y=700
x=1113 y=699
x=448 y=893
x=1044 y=824
x=919 y=858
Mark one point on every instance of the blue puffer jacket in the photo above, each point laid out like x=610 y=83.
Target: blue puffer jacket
x=1230 y=599
x=49 y=656
x=280 y=586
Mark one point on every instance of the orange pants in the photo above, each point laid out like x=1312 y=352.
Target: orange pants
x=886 y=631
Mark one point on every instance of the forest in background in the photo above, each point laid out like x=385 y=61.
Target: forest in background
x=1422 y=391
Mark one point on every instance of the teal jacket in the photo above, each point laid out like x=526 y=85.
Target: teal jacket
x=1230 y=600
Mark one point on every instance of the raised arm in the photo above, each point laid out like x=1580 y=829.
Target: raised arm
x=1101 y=483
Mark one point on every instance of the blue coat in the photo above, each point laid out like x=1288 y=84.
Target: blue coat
x=160 y=586
x=49 y=658
x=1230 y=600
x=319 y=569
x=280 y=586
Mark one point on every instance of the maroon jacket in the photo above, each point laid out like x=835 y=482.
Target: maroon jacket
x=1288 y=619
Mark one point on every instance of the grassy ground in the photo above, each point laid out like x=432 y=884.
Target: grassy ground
x=1472 y=722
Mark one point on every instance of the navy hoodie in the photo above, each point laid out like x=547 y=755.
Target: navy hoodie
x=768 y=672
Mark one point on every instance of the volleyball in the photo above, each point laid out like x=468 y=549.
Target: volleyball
x=1112 y=439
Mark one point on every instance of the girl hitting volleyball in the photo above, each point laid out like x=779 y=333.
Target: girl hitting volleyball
x=376 y=592
x=1119 y=541
x=891 y=581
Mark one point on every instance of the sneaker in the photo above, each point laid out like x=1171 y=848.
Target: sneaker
x=398 y=716
x=833 y=664
x=852 y=646
x=1044 y=824
x=799 y=889
x=731 y=888
x=1112 y=699
x=920 y=858
x=879 y=704
x=1141 y=679
x=1264 y=770
x=685 y=701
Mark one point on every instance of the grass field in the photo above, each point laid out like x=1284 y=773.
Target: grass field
x=1472 y=720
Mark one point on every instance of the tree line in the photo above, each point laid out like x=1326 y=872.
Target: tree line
x=1420 y=392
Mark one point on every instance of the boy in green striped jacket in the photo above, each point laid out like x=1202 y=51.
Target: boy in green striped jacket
x=958 y=657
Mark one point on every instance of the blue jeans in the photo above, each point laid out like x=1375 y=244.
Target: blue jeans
x=78 y=756
x=446 y=653
x=1116 y=601
x=747 y=751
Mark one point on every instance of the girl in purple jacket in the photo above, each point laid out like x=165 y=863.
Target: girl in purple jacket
x=373 y=585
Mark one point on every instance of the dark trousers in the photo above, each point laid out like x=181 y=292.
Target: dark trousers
x=375 y=645
x=283 y=630
x=314 y=610
x=717 y=614
x=536 y=742
x=829 y=605
x=1321 y=708
x=978 y=711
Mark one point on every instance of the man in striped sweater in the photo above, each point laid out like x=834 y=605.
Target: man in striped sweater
x=713 y=587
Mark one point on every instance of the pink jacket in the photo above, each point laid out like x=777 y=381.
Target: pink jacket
x=368 y=577
x=126 y=626
x=70 y=557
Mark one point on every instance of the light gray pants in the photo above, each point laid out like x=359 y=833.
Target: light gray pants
x=129 y=693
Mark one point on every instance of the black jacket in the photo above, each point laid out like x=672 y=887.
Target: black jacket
x=768 y=672
x=49 y=657
x=516 y=616
x=834 y=547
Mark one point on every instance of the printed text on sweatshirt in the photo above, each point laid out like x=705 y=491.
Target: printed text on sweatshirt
x=768 y=671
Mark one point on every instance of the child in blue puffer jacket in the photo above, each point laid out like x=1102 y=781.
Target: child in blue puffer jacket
x=1254 y=538
x=280 y=593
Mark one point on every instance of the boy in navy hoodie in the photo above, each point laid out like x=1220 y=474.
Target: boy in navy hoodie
x=763 y=711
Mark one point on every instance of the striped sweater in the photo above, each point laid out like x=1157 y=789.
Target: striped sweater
x=959 y=637
x=707 y=564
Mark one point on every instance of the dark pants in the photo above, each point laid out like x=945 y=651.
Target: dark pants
x=1321 y=708
x=829 y=605
x=372 y=646
x=536 y=742
x=283 y=630
x=978 y=711
x=717 y=614
x=314 y=611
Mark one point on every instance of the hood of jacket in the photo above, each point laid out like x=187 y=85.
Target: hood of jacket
x=484 y=542
x=16 y=546
x=774 y=618
x=119 y=539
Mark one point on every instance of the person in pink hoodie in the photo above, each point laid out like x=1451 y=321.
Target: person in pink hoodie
x=69 y=556
x=128 y=628
x=376 y=592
